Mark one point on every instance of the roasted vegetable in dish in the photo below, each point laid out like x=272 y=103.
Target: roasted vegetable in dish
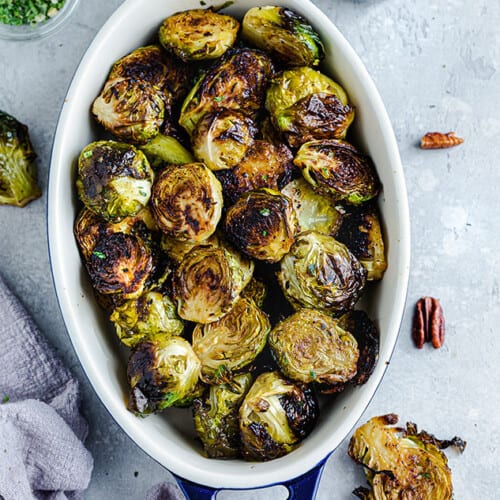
x=18 y=175
x=285 y=35
x=275 y=416
x=337 y=169
x=401 y=463
x=321 y=273
x=165 y=150
x=255 y=290
x=160 y=373
x=216 y=417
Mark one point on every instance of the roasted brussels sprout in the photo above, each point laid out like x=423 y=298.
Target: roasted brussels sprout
x=132 y=110
x=337 y=169
x=313 y=210
x=208 y=282
x=275 y=416
x=186 y=201
x=114 y=179
x=401 y=463
x=198 y=34
x=222 y=138
x=161 y=372
x=262 y=224
x=176 y=249
x=231 y=343
x=166 y=150
x=238 y=81
x=255 y=290
x=321 y=273
x=265 y=165
x=18 y=175
x=151 y=314
x=216 y=417
x=288 y=37
x=361 y=232
x=310 y=346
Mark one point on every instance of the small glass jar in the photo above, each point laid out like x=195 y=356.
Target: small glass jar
x=38 y=30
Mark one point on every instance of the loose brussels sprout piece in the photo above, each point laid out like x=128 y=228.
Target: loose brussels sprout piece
x=401 y=463
x=262 y=224
x=161 y=372
x=18 y=175
x=145 y=317
x=114 y=179
x=361 y=232
x=166 y=150
x=339 y=170
x=265 y=165
x=209 y=281
x=255 y=290
x=238 y=81
x=222 y=138
x=321 y=273
x=310 y=346
x=216 y=417
x=177 y=249
x=287 y=36
x=198 y=34
x=275 y=416
x=313 y=210
x=234 y=341
x=186 y=201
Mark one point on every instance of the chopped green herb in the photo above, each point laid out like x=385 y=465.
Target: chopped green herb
x=19 y=12
x=426 y=475
x=143 y=193
x=313 y=374
x=265 y=212
x=220 y=371
x=99 y=255
x=87 y=154
x=325 y=172
x=218 y=98
x=264 y=233
x=5 y=399
x=264 y=177
x=312 y=269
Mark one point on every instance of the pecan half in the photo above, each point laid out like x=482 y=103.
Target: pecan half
x=439 y=140
x=428 y=323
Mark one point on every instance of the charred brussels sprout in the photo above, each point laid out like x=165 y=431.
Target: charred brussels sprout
x=310 y=346
x=255 y=290
x=198 y=34
x=361 y=232
x=287 y=36
x=222 y=138
x=238 y=81
x=262 y=224
x=232 y=342
x=321 y=273
x=18 y=175
x=275 y=416
x=160 y=373
x=337 y=169
x=186 y=201
x=151 y=314
x=313 y=210
x=216 y=417
x=208 y=282
x=166 y=150
x=401 y=463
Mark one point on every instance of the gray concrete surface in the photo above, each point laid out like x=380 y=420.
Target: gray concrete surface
x=436 y=65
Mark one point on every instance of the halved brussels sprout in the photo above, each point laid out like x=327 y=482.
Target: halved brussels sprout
x=401 y=463
x=166 y=150
x=361 y=232
x=216 y=417
x=161 y=372
x=310 y=346
x=151 y=314
x=198 y=34
x=238 y=81
x=255 y=290
x=262 y=224
x=314 y=211
x=114 y=179
x=176 y=249
x=319 y=272
x=186 y=201
x=209 y=281
x=339 y=170
x=132 y=110
x=275 y=416
x=287 y=36
x=265 y=165
x=231 y=343
x=222 y=138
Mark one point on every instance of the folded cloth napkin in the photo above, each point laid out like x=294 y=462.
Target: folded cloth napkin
x=42 y=455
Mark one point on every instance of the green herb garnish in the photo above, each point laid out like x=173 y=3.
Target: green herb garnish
x=218 y=98
x=313 y=374
x=5 y=399
x=99 y=255
x=30 y=12
x=265 y=212
x=264 y=233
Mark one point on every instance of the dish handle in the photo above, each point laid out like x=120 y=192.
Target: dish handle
x=302 y=487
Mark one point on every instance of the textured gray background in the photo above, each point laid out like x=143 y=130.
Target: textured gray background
x=436 y=65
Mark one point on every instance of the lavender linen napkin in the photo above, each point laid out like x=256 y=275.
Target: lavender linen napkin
x=42 y=455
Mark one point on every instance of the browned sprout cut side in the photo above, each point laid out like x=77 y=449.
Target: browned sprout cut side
x=255 y=290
